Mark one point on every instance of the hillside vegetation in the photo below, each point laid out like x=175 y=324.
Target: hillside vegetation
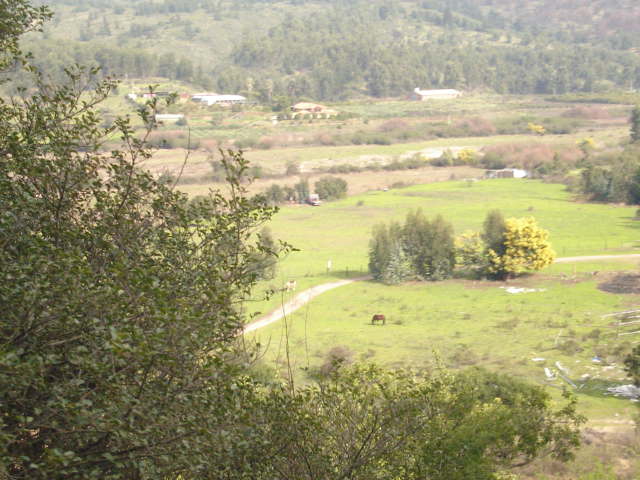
x=334 y=49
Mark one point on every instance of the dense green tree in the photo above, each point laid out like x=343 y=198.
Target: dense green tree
x=632 y=365
x=596 y=181
x=331 y=188
x=419 y=248
x=265 y=259
x=302 y=190
x=364 y=422
x=441 y=258
x=120 y=303
x=275 y=194
x=416 y=239
x=471 y=252
x=493 y=230
x=614 y=178
x=635 y=124
x=398 y=268
x=384 y=240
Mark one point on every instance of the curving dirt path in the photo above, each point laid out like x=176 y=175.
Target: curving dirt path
x=306 y=296
x=297 y=302
x=597 y=257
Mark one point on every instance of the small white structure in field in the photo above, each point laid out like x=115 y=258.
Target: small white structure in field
x=168 y=117
x=441 y=94
x=507 y=173
x=217 y=99
x=562 y=368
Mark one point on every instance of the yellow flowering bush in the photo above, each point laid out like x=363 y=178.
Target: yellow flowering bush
x=526 y=248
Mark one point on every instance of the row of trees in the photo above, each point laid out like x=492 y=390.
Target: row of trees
x=54 y=56
x=569 y=23
x=362 y=47
x=327 y=188
x=614 y=177
x=342 y=50
x=426 y=249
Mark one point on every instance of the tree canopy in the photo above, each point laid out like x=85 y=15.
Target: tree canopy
x=121 y=305
x=333 y=49
x=526 y=247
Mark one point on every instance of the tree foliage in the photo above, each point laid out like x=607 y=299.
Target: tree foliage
x=16 y=18
x=526 y=248
x=331 y=188
x=120 y=301
x=420 y=248
x=346 y=48
x=494 y=229
x=470 y=251
x=613 y=179
x=632 y=365
x=384 y=241
x=635 y=124
x=364 y=422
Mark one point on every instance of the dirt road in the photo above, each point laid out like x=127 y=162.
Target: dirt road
x=629 y=256
x=297 y=302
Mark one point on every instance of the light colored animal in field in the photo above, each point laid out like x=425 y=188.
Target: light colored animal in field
x=290 y=286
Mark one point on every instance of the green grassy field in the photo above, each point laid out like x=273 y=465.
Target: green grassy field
x=340 y=231
x=461 y=322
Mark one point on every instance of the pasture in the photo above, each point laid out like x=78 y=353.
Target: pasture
x=339 y=231
x=459 y=323
x=462 y=322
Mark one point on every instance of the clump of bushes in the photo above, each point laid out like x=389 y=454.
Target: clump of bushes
x=541 y=160
x=331 y=188
x=424 y=249
x=475 y=127
x=336 y=358
x=418 y=249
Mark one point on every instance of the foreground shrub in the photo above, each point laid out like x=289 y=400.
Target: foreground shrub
x=365 y=422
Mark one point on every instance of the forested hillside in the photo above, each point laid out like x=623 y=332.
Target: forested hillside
x=337 y=49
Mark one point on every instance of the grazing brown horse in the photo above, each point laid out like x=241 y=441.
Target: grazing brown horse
x=378 y=317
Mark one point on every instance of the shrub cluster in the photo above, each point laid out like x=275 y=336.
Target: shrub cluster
x=613 y=179
x=328 y=188
x=426 y=249
x=540 y=160
x=331 y=188
x=418 y=249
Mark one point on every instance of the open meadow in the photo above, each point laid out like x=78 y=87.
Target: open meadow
x=340 y=231
x=463 y=322
x=557 y=324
